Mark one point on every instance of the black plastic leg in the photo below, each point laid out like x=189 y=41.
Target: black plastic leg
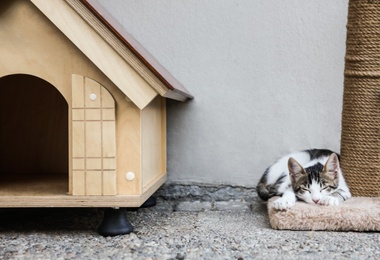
x=151 y=202
x=115 y=222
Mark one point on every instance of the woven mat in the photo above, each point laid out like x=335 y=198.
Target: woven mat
x=355 y=214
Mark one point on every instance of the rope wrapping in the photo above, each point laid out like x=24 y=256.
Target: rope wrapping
x=360 y=140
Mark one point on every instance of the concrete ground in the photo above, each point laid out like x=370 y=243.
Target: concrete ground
x=190 y=224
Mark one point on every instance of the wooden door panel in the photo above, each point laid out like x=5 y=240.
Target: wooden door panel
x=93 y=138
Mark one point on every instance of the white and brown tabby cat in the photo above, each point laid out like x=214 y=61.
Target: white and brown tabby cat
x=313 y=176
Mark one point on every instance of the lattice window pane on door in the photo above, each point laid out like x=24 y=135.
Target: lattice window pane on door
x=93 y=141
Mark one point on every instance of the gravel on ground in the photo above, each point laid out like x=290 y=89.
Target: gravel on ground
x=192 y=227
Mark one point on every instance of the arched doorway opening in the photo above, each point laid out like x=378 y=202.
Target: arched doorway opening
x=33 y=137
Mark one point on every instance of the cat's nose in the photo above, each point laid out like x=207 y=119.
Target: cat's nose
x=315 y=201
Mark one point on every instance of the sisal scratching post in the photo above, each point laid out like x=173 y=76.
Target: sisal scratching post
x=360 y=141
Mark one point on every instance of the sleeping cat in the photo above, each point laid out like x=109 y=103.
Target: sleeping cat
x=313 y=176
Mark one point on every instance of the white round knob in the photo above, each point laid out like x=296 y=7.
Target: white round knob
x=93 y=96
x=130 y=176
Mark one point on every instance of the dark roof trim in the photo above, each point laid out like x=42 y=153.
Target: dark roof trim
x=137 y=49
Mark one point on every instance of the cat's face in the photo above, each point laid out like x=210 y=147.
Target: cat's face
x=312 y=183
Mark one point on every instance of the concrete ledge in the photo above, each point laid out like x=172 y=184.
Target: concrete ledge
x=197 y=198
x=206 y=193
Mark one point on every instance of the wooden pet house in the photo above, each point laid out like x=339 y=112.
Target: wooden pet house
x=82 y=108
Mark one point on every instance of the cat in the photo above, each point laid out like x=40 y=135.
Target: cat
x=313 y=176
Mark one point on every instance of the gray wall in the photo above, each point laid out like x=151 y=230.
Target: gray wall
x=267 y=76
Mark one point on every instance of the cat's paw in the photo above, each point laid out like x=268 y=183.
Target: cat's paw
x=283 y=204
x=329 y=201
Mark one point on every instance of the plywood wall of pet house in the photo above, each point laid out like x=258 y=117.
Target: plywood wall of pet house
x=66 y=127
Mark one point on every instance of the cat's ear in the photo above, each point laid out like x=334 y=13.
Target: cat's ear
x=295 y=169
x=332 y=166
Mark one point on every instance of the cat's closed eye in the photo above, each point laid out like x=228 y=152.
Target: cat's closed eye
x=328 y=189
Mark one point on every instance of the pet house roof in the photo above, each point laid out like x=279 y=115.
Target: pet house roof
x=112 y=49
